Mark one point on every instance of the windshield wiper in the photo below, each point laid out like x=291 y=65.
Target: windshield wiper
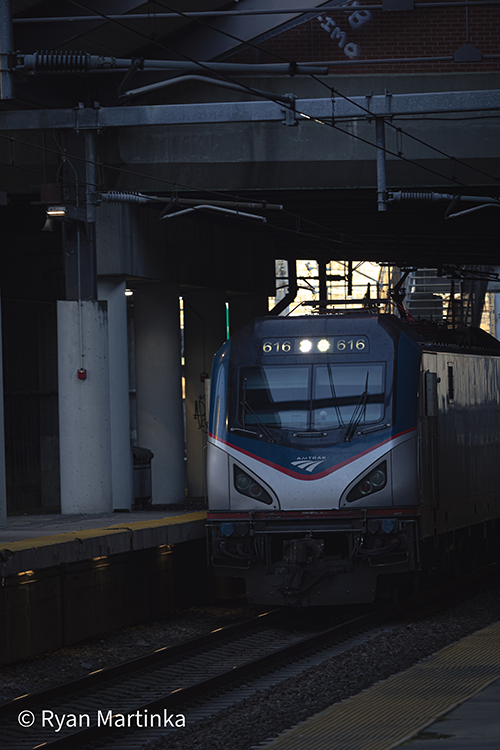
x=247 y=408
x=335 y=399
x=357 y=413
x=267 y=432
x=245 y=430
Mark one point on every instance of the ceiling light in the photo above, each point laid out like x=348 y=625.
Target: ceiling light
x=54 y=211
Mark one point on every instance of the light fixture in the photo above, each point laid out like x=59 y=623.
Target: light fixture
x=129 y=292
x=323 y=345
x=56 y=211
x=305 y=346
x=53 y=212
x=63 y=213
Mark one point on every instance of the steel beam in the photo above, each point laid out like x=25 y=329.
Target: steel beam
x=268 y=111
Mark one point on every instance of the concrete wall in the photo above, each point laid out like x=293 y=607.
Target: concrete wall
x=59 y=606
x=58 y=590
x=130 y=241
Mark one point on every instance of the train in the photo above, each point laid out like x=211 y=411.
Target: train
x=351 y=453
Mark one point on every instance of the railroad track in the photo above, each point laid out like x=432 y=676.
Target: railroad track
x=151 y=692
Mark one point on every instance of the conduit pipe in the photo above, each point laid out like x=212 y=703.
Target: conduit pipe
x=83 y=62
x=6 y=50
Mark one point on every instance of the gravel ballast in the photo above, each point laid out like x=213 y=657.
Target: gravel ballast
x=270 y=711
x=63 y=665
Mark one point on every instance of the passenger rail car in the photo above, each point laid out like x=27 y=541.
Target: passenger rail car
x=346 y=453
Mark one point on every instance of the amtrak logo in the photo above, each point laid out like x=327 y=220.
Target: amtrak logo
x=309 y=464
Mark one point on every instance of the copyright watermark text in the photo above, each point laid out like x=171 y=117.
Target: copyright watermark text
x=116 y=720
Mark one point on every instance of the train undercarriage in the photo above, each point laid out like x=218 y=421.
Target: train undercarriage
x=314 y=559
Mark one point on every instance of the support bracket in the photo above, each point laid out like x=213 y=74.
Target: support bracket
x=289 y=111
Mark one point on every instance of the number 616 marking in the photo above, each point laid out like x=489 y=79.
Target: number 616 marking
x=351 y=344
x=276 y=347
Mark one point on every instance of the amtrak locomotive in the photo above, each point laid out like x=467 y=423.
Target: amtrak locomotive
x=348 y=452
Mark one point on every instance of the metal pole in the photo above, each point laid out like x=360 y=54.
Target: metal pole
x=90 y=173
x=381 y=179
x=6 y=48
x=323 y=291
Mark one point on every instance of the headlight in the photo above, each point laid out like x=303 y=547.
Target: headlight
x=242 y=481
x=249 y=487
x=372 y=482
x=378 y=479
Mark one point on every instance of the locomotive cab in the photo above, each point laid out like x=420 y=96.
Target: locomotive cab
x=305 y=421
x=347 y=452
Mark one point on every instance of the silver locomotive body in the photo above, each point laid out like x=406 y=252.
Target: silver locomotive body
x=330 y=457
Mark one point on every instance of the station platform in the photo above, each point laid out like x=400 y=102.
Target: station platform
x=447 y=702
x=64 y=579
x=42 y=541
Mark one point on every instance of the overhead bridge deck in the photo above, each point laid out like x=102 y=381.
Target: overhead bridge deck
x=66 y=578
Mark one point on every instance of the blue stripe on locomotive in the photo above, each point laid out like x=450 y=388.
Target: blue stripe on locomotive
x=217 y=419
x=403 y=378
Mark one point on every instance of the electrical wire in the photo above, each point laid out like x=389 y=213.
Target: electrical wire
x=448 y=119
x=343 y=239
x=343 y=96
x=413 y=137
x=325 y=122
x=25 y=169
x=253 y=12
x=332 y=91
x=221 y=31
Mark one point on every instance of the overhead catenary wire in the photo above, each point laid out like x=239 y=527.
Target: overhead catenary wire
x=343 y=238
x=319 y=120
x=278 y=56
x=246 y=12
x=250 y=90
x=323 y=83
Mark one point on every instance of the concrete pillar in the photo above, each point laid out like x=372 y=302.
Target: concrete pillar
x=244 y=308
x=158 y=384
x=204 y=333
x=113 y=291
x=84 y=415
x=3 y=492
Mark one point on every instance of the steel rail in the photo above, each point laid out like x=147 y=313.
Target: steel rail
x=183 y=696
x=153 y=659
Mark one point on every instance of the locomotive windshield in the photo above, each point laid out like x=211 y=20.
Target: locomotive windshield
x=311 y=397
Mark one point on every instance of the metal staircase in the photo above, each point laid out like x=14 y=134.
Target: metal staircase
x=452 y=300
